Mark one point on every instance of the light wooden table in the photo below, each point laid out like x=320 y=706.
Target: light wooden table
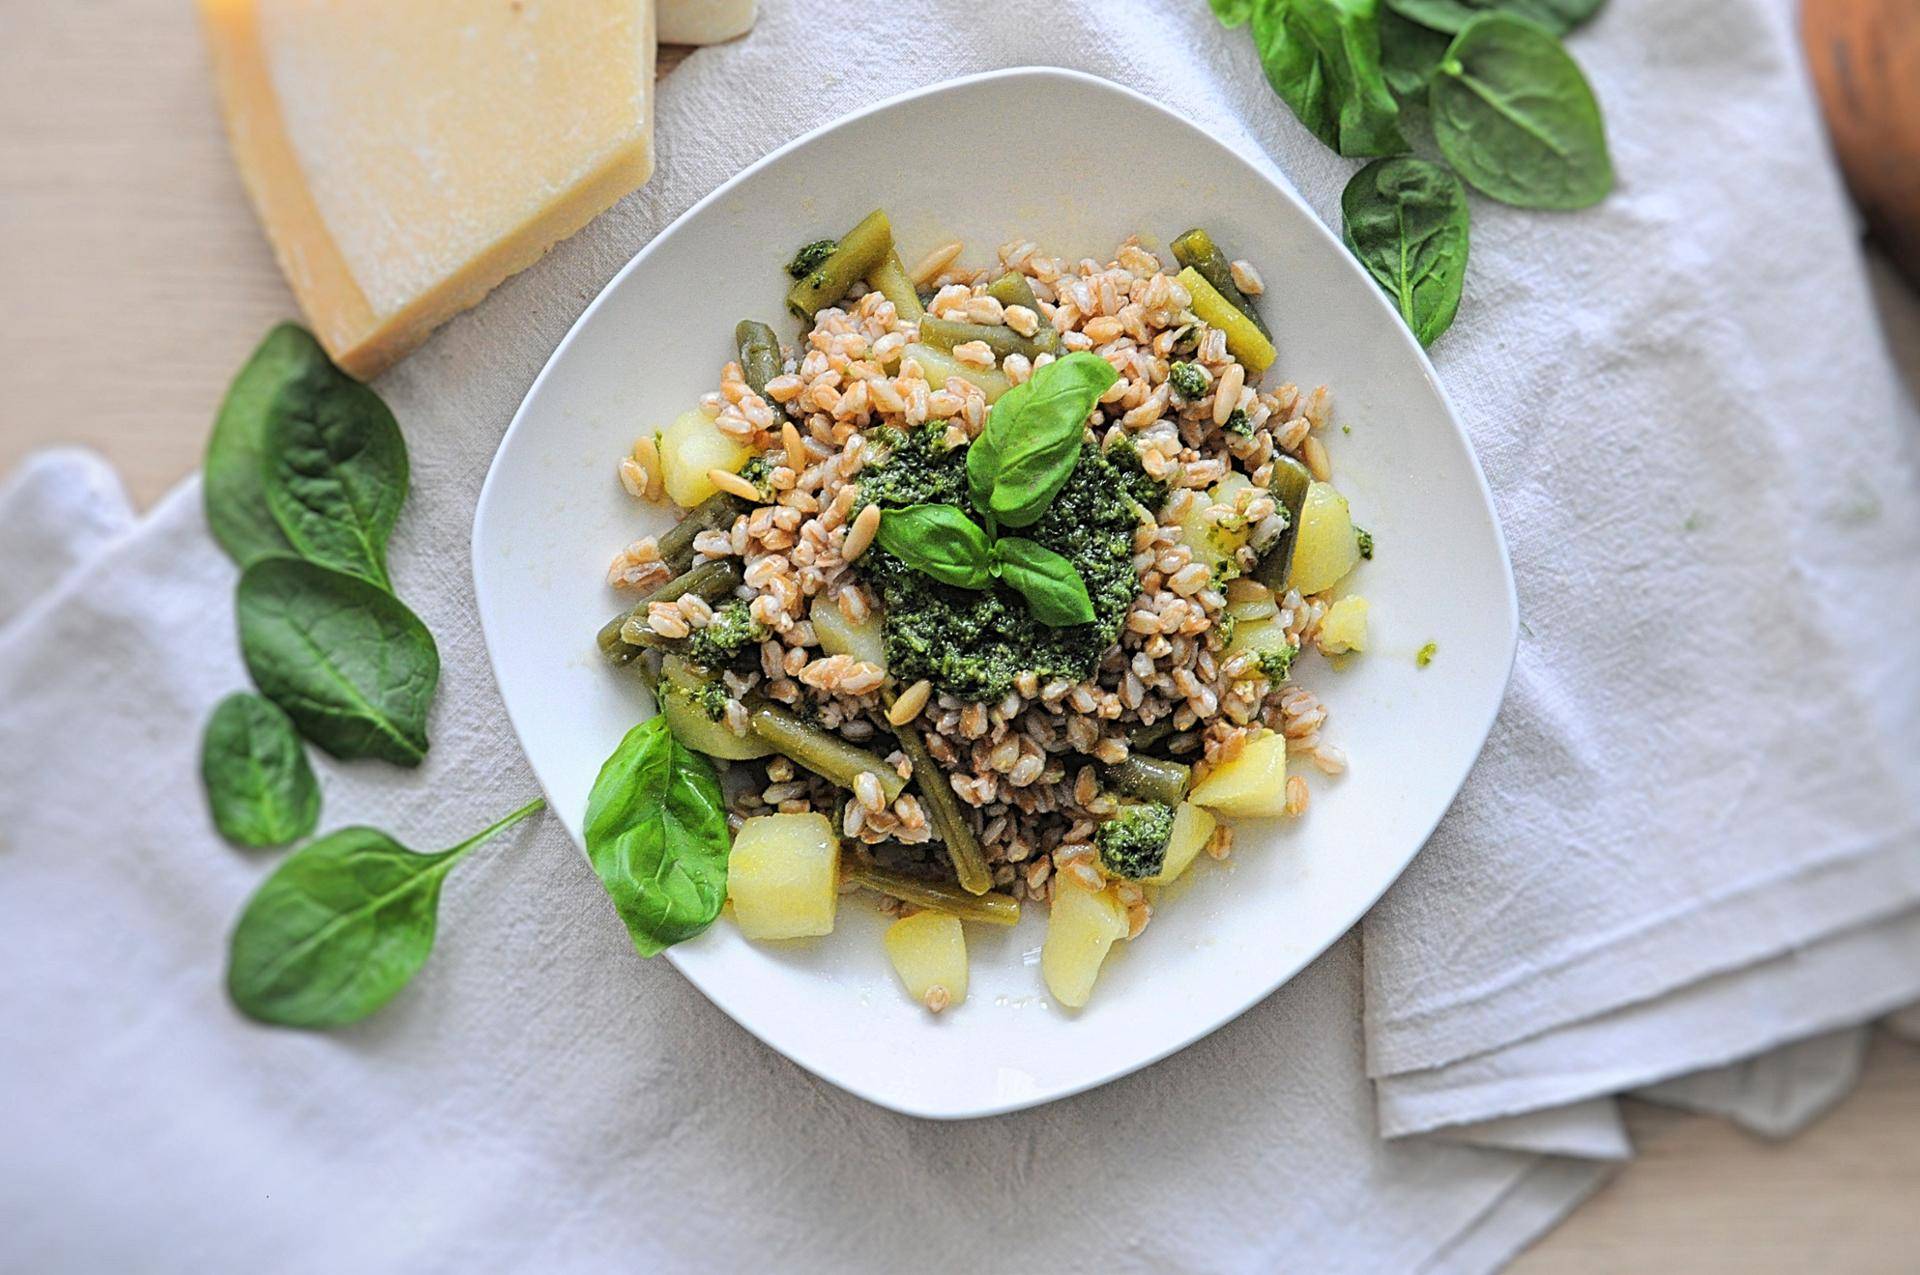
x=133 y=281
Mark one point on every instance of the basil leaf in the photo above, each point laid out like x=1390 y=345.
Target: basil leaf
x=1053 y=589
x=336 y=471
x=259 y=786
x=656 y=832
x=1452 y=16
x=937 y=540
x=341 y=926
x=1516 y=118
x=234 y=492
x=1323 y=58
x=1406 y=220
x=1035 y=431
x=346 y=660
x=1232 y=13
x=1409 y=54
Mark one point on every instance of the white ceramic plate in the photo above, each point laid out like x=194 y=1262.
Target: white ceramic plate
x=552 y=513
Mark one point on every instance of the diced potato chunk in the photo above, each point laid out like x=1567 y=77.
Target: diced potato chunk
x=929 y=952
x=1325 y=549
x=1344 y=626
x=690 y=446
x=1253 y=784
x=942 y=367
x=1192 y=829
x=784 y=876
x=1262 y=637
x=840 y=636
x=1214 y=532
x=1081 y=927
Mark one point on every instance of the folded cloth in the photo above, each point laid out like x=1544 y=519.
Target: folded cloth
x=541 y=1096
x=1779 y=1093
x=56 y=510
x=1705 y=466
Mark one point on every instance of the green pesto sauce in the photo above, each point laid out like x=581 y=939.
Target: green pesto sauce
x=972 y=644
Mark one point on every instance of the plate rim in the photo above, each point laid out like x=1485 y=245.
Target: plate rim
x=1268 y=173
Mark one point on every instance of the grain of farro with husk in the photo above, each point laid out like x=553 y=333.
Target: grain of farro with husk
x=1025 y=754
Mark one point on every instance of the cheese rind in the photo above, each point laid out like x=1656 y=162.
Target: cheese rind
x=705 y=21
x=405 y=159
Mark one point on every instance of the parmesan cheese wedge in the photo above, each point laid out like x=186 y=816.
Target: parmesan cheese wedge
x=405 y=158
x=705 y=21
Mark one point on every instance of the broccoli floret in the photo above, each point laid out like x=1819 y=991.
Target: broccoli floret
x=1189 y=380
x=712 y=699
x=1364 y=539
x=1237 y=423
x=731 y=631
x=809 y=258
x=1275 y=664
x=1133 y=844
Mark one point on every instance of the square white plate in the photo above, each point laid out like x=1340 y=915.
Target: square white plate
x=552 y=514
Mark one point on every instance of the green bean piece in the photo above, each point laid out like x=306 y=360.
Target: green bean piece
x=711 y=580
x=1195 y=248
x=944 y=334
x=992 y=909
x=759 y=354
x=825 y=754
x=1289 y=487
x=1141 y=738
x=861 y=251
x=1150 y=779
x=715 y=513
x=1012 y=288
x=890 y=277
x=943 y=811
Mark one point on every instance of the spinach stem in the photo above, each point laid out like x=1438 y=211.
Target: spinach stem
x=533 y=807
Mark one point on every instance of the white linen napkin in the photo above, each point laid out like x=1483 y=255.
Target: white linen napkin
x=542 y=1094
x=1705 y=467
x=541 y=1097
x=56 y=510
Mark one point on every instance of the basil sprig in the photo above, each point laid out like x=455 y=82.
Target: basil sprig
x=342 y=926
x=1021 y=460
x=1033 y=438
x=656 y=832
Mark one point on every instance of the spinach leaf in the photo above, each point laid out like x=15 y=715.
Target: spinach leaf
x=1516 y=118
x=1409 y=54
x=341 y=926
x=1406 y=220
x=937 y=540
x=1053 y=589
x=259 y=785
x=656 y=832
x=1452 y=16
x=233 y=491
x=1232 y=13
x=1034 y=433
x=1323 y=58
x=350 y=664
x=336 y=471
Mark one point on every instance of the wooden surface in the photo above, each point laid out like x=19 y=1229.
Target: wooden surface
x=133 y=281
x=1864 y=56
